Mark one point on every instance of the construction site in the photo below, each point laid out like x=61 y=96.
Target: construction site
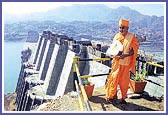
x=52 y=78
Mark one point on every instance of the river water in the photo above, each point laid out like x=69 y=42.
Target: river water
x=12 y=65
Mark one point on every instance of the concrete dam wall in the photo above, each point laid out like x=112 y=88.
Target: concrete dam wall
x=48 y=74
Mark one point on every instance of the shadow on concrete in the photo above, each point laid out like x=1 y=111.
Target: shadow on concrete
x=152 y=98
x=131 y=107
x=116 y=104
x=101 y=100
x=98 y=99
x=146 y=96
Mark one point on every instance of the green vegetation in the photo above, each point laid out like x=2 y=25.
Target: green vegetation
x=139 y=76
x=86 y=81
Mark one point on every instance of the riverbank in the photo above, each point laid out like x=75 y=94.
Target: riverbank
x=9 y=102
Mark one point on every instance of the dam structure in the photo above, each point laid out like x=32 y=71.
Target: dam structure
x=49 y=73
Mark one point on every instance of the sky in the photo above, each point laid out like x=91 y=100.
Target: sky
x=16 y=8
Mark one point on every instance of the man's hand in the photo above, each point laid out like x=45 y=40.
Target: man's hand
x=119 y=53
x=122 y=56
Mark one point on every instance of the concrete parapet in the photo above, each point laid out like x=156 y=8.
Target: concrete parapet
x=21 y=75
x=46 y=59
x=94 y=68
x=55 y=69
x=33 y=97
x=20 y=86
x=51 y=67
x=65 y=83
x=24 y=88
x=41 y=53
x=154 y=86
x=37 y=50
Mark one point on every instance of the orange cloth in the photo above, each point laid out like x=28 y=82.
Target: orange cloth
x=120 y=72
x=124 y=23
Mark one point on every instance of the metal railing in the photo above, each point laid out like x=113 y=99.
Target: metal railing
x=79 y=85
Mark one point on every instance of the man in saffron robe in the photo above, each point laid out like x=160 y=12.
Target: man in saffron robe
x=122 y=64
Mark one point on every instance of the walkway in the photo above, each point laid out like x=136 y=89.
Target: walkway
x=135 y=102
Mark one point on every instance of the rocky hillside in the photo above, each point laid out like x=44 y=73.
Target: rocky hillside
x=9 y=102
x=84 y=20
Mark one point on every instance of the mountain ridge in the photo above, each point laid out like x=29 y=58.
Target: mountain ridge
x=79 y=20
x=92 y=12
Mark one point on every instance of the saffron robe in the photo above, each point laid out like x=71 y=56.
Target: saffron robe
x=120 y=67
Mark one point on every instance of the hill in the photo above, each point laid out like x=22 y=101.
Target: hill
x=92 y=12
x=94 y=22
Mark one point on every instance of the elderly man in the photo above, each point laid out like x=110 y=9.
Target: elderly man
x=122 y=63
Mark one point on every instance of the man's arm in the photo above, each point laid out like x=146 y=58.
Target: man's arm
x=122 y=56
